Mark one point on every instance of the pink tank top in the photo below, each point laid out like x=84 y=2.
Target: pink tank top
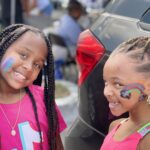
x=130 y=142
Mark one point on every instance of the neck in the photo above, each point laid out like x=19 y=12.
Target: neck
x=8 y=94
x=10 y=97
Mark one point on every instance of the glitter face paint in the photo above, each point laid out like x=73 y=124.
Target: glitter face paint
x=134 y=87
x=7 y=64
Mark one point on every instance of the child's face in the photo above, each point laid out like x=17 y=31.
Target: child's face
x=23 y=60
x=119 y=71
x=77 y=14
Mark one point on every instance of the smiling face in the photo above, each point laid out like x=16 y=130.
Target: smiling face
x=119 y=71
x=23 y=60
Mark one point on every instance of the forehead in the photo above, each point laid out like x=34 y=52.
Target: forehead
x=32 y=41
x=122 y=67
x=31 y=38
x=118 y=60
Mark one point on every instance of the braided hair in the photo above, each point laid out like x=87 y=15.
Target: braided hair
x=138 y=49
x=9 y=35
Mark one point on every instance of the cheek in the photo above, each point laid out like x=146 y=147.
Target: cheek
x=35 y=75
x=7 y=64
x=128 y=103
x=32 y=78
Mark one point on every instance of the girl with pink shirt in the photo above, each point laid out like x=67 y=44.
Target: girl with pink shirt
x=30 y=119
x=127 y=88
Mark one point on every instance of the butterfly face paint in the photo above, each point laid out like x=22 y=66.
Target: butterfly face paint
x=134 y=87
x=7 y=64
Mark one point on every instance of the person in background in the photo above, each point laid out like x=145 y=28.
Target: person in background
x=127 y=89
x=45 y=7
x=29 y=116
x=69 y=27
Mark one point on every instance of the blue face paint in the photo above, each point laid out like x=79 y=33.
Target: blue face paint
x=134 y=87
x=7 y=64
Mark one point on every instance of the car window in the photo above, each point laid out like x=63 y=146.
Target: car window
x=146 y=17
x=144 y=22
x=129 y=8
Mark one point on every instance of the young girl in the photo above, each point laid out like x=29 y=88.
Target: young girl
x=29 y=118
x=127 y=88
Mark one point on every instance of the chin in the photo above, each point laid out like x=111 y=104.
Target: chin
x=17 y=86
x=117 y=113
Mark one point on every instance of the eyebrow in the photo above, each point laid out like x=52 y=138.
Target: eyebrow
x=29 y=50
x=112 y=78
x=115 y=79
x=118 y=79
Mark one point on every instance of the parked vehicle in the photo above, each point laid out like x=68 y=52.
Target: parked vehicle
x=120 y=21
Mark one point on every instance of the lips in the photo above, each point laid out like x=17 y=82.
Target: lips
x=113 y=104
x=19 y=76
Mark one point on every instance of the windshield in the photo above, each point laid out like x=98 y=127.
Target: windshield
x=129 y=8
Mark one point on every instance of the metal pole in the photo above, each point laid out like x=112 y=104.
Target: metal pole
x=12 y=11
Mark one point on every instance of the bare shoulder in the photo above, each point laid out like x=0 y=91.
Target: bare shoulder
x=115 y=123
x=144 y=144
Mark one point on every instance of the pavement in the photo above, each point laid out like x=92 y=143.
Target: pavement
x=68 y=105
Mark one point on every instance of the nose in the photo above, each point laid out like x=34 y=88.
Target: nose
x=27 y=66
x=108 y=92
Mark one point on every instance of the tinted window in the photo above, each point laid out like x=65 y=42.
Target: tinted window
x=129 y=8
x=146 y=17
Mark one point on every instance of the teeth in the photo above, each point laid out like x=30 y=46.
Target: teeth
x=19 y=76
x=113 y=104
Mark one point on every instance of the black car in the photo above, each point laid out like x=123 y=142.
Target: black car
x=120 y=21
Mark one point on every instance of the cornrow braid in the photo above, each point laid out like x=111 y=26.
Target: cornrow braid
x=7 y=37
x=135 y=43
x=147 y=47
x=139 y=49
x=131 y=44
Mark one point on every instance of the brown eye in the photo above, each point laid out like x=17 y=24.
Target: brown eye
x=23 y=56
x=37 y=66
x=118 y=85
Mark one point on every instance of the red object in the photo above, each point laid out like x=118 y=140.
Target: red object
x=89 y=52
